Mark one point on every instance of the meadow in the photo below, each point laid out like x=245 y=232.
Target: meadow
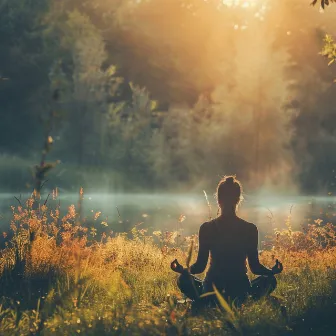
x=69 y=275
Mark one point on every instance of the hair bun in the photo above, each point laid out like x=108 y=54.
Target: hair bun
x=229 y=180
x=229 y=191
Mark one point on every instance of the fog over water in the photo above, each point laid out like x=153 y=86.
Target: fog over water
x=161 y=211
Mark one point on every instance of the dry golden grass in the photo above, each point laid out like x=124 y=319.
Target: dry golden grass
x=59 y=276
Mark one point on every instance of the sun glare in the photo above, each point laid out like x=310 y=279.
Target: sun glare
x=257 y=7
x=240 y=3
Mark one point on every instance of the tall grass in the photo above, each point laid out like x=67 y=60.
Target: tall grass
x=60 y=276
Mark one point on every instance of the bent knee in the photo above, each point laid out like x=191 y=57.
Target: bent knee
x=183 y=281
x=263 y=286
x=272 y=281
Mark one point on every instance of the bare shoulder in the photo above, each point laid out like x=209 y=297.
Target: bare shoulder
x=248 y=226
x=209 y=227
x=206 y=226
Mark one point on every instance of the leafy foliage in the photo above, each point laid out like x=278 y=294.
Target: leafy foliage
x=162 y=91
x=323 y=2
x=329 y=49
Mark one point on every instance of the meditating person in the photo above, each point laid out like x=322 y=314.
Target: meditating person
x=230 y=241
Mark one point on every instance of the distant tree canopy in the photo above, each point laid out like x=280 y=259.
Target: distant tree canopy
x=329 y=49
x=172 y=90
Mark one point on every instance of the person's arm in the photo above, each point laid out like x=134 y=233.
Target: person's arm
x=253 y=258
x=203 y=251
x=202 y=257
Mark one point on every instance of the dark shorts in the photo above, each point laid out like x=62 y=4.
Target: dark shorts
x=236 y=290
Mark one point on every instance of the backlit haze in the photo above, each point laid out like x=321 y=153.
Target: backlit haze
x=219 y=87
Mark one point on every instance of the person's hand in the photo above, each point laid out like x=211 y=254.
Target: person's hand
x=176 y=266
x=277 y=268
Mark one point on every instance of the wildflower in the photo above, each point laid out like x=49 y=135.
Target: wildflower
x=182 y=218
x=93 y=232
x=72 y=211
x=143 y=231
x=157 y=233
x=97 y=214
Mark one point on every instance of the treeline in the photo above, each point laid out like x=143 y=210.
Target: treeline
x=172 y=92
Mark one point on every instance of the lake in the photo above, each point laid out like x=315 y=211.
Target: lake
x=162 y=211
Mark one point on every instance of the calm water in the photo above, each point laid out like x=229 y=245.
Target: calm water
x=161 y=211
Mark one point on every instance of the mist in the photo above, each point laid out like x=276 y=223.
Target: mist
x=165 y=97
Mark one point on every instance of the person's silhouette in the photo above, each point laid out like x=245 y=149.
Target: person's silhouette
x=230 y=241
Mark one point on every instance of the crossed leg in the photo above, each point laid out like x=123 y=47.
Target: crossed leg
x=193 y=287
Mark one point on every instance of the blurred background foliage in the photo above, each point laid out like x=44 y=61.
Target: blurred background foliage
x=169 y=93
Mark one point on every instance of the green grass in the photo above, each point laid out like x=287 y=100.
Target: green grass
x=59 y=278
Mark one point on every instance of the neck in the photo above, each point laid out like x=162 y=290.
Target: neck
x=228 y=212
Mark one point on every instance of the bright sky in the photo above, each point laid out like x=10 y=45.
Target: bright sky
x=242 y=3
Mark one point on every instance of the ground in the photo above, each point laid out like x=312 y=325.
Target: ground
x=61 y=277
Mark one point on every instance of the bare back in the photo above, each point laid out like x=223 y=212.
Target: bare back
x=229 y=241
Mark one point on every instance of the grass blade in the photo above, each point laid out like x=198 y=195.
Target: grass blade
x=224 y=304
x=191 y=247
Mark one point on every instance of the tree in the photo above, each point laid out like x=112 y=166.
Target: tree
x=237 y=89
x=24 y=72
x=177 y=50
x=312 y=98
x=89 y=83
